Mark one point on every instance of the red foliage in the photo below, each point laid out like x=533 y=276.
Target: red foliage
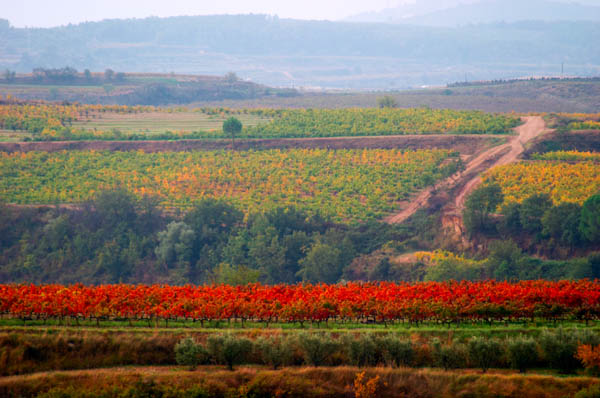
x=381 y=302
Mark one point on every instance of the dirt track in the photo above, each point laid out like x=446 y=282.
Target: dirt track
x=470 y=178
x=465 y=144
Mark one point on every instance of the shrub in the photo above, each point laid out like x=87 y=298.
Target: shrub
x=229 y=350
x=484 y=353
x=317 y=350
x=275 y=352
x=451 y=356
x=363 y=351
x=522 y=353
x=396 y=351
x=189 y=353
x=590 y=357
x=559 y=348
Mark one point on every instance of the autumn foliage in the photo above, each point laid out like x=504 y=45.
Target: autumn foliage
x=344 y=184
x=564 y=182
x=376 y=302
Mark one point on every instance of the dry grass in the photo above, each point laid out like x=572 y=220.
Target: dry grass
x=302 y=382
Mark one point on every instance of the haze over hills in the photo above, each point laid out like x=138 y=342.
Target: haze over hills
x=292 y=53
x=462 y=12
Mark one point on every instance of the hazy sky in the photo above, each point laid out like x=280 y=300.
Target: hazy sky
x=45 y=13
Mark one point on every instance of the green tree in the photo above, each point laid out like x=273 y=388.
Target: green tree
x=189 y=353
x=232 y=127
x=562 y=222
x=478 y=207
x=239 y=275
x=484 y=353
x=109 y=74
x=590 y=219
x=387 y=101
x=532 y=211
x=504 y=260
x=229 y=349
x=522 y=353
x=175 y=243
x=321 y=264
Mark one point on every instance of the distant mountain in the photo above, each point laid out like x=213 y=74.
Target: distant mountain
x=457 y=12
x=292 y=53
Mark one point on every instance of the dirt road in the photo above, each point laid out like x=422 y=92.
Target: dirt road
x=507 y=153
x=465 y=144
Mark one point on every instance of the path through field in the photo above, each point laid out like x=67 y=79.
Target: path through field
x=470 y=177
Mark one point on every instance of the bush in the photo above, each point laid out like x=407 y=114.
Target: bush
x=275 y=352
x=522 y=353
x=451 y=356
x=317 y=350
x=396 y=351
x=189 y=353
x=559 y=348
x=485 y=353
x=363 y=351
x=229 y=350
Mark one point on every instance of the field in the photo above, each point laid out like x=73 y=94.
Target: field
x=563 y=181
x=153 y=123
x=48 y=122
x=344 y=184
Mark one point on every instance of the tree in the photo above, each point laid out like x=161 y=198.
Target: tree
x=590 y=219
x=478 y=207
x=231 y=77
x=562 y=223
x=235 y=275
x=175 y=243
x=87 y=74
x=232 y=127
x=532 y=211
x=484 y=353
x=504 y=259
x=189 y=353
x=9 y=76
x=387 y=102
x=109 y=74
x=321 y=264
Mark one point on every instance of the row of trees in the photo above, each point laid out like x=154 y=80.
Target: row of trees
x=66 y=75
x=563 y=350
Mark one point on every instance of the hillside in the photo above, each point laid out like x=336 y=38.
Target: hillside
x=286 y=52
x=68 y=84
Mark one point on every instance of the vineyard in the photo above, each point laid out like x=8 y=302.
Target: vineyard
x=352 y=122
x=569 y=156
x=564 y=182
x=375 y=302
x=343 y=184
x=49 y=122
